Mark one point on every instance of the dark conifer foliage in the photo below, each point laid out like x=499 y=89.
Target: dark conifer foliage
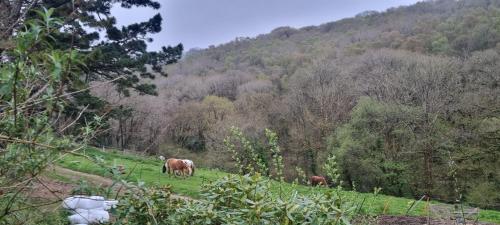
x=110 y=51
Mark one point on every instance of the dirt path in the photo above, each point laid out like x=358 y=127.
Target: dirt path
x=54 y=189
x=76 y=175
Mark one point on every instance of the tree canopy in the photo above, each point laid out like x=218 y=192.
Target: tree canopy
x=109 y=52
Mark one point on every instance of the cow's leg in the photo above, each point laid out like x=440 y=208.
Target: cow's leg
x=183 y=173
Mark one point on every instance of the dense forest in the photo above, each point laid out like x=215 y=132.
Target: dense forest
x=406 y=99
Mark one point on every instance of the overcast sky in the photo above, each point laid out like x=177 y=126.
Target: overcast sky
x=200 y=23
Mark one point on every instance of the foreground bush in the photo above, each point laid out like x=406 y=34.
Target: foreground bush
x=245 y=199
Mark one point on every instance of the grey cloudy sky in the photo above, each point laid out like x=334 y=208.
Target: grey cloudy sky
x=200 y=23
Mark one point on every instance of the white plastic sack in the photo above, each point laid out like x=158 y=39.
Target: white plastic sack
x=88 y=209
x=110 y=204
x=84 y=202
x=89 y=216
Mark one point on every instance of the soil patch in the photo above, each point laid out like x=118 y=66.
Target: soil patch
x=49 y=189
x=413 y=220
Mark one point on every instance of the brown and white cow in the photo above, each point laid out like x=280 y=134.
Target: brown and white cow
x=175 y=166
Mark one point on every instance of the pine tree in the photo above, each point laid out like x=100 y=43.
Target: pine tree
x=121 y=56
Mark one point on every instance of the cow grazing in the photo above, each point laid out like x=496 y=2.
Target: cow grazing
x=190 y=166
x=174 y=166
x=318 y=180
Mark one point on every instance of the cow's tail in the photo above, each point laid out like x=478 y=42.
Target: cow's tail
x=192 y=169
x=165 y=164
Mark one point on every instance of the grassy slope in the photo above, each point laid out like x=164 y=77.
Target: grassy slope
x=149 y=171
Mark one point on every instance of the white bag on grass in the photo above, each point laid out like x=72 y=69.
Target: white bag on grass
x=88 y=209
x=89 y=216
x=84 y=202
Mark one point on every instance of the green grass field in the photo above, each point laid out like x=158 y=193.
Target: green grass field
x=148 y=170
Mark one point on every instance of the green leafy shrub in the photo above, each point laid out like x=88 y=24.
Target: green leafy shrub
x=145 y=205
x=238 y=199
x=244 y=153
x=34 y=77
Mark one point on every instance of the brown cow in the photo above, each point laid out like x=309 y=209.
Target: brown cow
x=318 y=180
x=175 y=165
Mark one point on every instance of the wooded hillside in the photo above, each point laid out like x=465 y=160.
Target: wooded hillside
x=407 y=100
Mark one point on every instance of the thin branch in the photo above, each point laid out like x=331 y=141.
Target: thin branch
x=34 y=206
x=76 y=119
x=20 y=19
x=18 y=184
x=38 y=93
x=14 y=94
x=17 y=140
x=50 y=190
x=121 y=186
x=11 y=201
x=71 y=93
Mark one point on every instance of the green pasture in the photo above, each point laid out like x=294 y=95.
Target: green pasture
x=148 y=170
